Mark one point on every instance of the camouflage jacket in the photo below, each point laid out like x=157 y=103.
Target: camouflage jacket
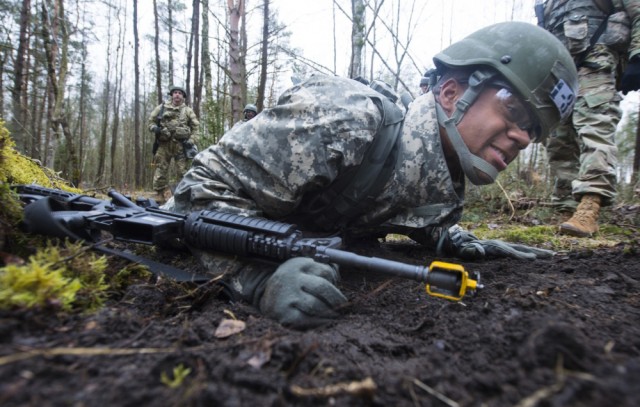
x=181 y=121
x=318 y=131
x=576 y=21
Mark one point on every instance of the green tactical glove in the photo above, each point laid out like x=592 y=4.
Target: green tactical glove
x=301 y=293
x=190 y=149
x=468 y=247
x=631 y=77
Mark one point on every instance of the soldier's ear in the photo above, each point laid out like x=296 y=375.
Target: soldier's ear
x=450 y=91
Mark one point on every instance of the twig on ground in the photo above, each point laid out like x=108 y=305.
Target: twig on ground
x=366 y=388
x=548 y=391
x=513 y=210
x=435 y=393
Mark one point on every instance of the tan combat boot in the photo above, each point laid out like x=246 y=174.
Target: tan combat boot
x=584 y=222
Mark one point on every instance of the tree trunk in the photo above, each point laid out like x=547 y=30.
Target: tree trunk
x=59 y=119
x=264 y=63
x=170 y=31
x=137 y=168
x=156 y=47
x=187 y=84
x=83 y=116
x=106 y=100
x=197 y=86
x=236 y=9
x=357 y=38
x=117 y=99
x=243 y=56
x=19 y=111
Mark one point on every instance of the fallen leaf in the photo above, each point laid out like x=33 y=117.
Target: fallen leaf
x=229 y=327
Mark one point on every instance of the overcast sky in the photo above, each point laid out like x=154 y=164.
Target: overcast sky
x=435 y=23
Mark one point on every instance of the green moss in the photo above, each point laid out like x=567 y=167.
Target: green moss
x=67 y=277
x=70 y=278
x=615 y=230
x=37 y=285
x=529 y=235
x=15 y=168
x=126 y=275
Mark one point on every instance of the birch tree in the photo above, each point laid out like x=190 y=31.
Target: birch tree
x=235 y=10
x=358 y=29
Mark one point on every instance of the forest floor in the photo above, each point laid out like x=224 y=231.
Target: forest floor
x=558 y=332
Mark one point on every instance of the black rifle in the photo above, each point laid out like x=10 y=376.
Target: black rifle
x=63 y=214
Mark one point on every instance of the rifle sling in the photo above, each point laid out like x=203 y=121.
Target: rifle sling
x=157 y=268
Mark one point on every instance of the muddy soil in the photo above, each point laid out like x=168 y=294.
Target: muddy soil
x=558 y=332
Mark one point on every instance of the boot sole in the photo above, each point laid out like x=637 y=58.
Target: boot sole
x=566 y=229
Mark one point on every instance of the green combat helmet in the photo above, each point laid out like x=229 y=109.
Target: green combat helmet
x=250 y=108
x=524 y=57
x=180 y=88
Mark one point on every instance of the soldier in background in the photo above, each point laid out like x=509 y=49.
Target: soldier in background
x=603 y=36
x=424 y=85
x=175 y=127
x=428 y=80
x=250 y=111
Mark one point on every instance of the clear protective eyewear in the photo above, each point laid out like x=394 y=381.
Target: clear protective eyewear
x=516 y=112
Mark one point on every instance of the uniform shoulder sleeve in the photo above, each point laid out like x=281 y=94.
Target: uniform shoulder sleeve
x=632 y=7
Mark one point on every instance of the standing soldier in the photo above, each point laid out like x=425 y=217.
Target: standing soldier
x=175 y=126
x=602 y=36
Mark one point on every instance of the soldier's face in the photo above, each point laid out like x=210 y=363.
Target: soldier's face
x=177 y=97
x=495 y=127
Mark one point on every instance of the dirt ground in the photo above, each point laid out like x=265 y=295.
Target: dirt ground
x=558 y=332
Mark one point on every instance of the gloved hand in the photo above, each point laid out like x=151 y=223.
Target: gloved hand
x=631 y=76
x=156 y=130
x=465 y=245
x=190 y=149
x=301 y=293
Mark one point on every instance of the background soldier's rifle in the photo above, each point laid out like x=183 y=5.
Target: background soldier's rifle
x=79 y=217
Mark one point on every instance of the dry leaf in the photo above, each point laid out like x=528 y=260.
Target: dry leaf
x=229 y=327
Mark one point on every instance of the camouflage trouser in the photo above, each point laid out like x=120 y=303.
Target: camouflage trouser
x=582 y=152
x=167 y=151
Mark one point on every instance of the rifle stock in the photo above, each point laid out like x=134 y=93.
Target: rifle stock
x=61 y=214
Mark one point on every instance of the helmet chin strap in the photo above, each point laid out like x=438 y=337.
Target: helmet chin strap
x=470 y=163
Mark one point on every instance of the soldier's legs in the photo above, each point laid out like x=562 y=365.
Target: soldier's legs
x=595 y=118
x=162 y=161
x=182 y=165
x=596 y=128
x=563 y=152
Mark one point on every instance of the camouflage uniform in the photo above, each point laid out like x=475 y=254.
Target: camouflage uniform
x=179 y=124
x=582 y=152
x=321 y=128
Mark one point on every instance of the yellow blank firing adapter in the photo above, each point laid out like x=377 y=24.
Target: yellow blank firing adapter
x=450 y=281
